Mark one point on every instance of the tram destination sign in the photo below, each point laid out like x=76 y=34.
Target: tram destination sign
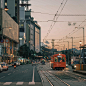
x=59 y=56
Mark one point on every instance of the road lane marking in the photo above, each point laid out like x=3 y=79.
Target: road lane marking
x=19 y=83
x=2 y=77
x=32 y=83
x=7 y=83
x=9 y=73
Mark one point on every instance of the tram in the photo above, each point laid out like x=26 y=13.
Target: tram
x=58 y=61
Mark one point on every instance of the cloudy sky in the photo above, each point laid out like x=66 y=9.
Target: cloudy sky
x=69 y=14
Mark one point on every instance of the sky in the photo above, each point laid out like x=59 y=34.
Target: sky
x=45 y=10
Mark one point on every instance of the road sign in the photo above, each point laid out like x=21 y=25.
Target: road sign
x=6 y=40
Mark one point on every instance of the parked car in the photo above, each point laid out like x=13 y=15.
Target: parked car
x=4 y=65
x=74 y=64
x=1 y=69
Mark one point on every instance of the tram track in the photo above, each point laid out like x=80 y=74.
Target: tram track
x=50 y=76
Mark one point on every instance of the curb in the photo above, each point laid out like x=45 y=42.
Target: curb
x=79 y=72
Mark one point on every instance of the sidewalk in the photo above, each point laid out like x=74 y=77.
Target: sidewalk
x=77 y=71
x=80 y=71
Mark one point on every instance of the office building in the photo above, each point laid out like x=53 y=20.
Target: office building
x=13 y=8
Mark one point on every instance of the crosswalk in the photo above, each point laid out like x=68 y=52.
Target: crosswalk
x=19 y=84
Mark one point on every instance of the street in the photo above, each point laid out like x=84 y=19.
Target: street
x=41 y=75
x=22 y=75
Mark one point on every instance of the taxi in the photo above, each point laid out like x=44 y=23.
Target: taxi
x=4 y=65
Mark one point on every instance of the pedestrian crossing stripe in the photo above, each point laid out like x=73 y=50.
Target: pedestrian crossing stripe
x=19 y=83
x=7 y=83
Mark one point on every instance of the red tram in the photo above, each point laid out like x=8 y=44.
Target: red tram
x=58 y=61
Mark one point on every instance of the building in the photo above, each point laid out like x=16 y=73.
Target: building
x=2 y=4
x=13 y=8
x=37 y=37
x=9 y=37
x=25 y=4
x=22 y=26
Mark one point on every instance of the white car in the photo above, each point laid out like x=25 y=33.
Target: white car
x=17 y=63
x=1 y=69
x=4 y=65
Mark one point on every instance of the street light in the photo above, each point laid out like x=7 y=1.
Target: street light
x=80 y=53
x=6 y=9
x=83 y=33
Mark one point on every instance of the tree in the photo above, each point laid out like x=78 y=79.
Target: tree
x=24 y=51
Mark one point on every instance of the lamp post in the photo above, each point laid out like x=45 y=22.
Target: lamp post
x=83 y=34
x=80 y=53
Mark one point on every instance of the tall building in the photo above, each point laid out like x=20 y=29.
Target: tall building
x=13 y=8
x=9 y=30
x=25 y=4
x=2 y=4
x=37 y=37
x=22 y=26
x=30 y=27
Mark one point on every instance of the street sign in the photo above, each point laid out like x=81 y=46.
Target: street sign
x=6 y=40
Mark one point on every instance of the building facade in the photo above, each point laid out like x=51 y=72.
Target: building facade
x=2 y=4
x=13 y=9
x=9 y=37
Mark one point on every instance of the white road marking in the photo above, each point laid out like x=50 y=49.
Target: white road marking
x=2 y=77
x=32 y=83
x=19 y=83
x=9 y=73
x=7 y=83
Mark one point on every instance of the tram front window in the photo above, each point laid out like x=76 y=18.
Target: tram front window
x=59 y=59
x=55 y=59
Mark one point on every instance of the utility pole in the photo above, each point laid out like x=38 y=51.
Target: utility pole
x=68 y=50
x=72 y=46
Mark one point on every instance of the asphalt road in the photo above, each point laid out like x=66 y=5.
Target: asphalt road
x=23 y=75
x=40 y=75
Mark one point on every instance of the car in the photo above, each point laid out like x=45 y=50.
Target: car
x=34 y=63
x=17 y=63
x=1 y=69
x=74 y=64
x=4 y=65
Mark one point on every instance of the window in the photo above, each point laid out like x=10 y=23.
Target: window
x=55 y=59
x=59 y=59
x=63 y=59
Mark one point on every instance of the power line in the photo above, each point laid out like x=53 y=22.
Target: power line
x=61 y=14
x=56 y=18
x=60 y=21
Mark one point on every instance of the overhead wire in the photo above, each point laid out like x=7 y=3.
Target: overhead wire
x=61 y=14
x=53 y=19
x=76 y=30
x=56 y=18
